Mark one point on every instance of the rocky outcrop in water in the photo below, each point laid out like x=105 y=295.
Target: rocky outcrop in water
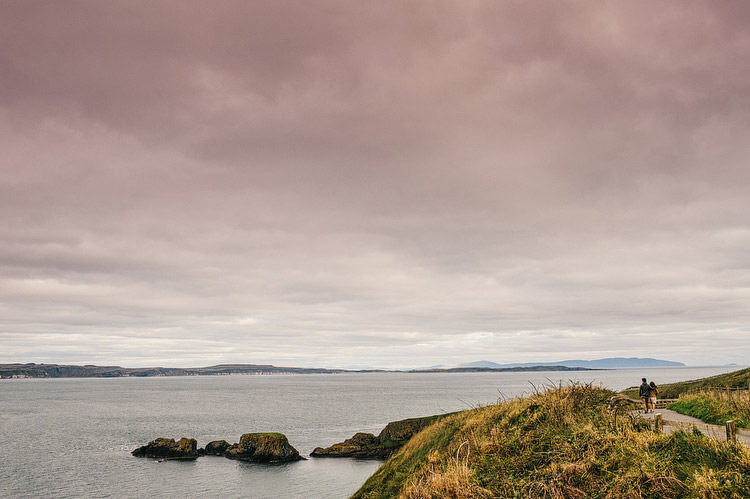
x=167 y=448
x=256 y=447
x=367 y=445
x=216 y=448
x=363 y=445
x=263 y=447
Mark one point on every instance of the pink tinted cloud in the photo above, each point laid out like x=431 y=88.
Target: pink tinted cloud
x=359 y=171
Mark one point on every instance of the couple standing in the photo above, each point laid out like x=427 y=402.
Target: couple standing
x=648 y=393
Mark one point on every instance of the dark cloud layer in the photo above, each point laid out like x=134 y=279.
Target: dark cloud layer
x=383 y=183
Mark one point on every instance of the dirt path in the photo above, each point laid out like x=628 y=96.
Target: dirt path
x=713 y=431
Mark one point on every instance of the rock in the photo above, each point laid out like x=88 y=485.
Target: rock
x=216 y=448
x=263 y=447
x=167 y=448
x=360 y=445
x=367 y=445
x=402 y=431
x=258 y=447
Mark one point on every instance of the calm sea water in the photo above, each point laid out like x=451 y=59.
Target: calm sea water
x=71 y=438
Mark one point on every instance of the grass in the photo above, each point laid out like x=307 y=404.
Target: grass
x=561 y=443
x=716 y=406
x=389 y=479
x=735 y=379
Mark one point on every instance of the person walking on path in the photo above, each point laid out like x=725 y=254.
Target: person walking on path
x=645 y=393
x=652 y=393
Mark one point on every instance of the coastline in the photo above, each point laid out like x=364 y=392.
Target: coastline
x=33 y=370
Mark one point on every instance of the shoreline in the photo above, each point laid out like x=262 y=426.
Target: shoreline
x=53 y=371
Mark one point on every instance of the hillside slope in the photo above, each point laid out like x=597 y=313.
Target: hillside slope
x=563 y=443
x=734 y=379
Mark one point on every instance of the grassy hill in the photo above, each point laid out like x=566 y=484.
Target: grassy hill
x=735 y=379
x=563 y=443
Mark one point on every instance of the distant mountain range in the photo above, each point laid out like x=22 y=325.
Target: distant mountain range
x=481 y=369
x=32 y=370
x=608 y=363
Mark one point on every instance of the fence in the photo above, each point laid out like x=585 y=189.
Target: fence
x=731 y=429
x=664 y=403
x=727 y=389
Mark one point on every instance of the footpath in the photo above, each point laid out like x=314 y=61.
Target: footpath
x=674 y=420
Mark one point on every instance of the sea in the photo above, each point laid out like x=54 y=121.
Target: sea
x=72 y=438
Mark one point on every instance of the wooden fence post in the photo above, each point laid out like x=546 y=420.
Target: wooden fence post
x=731 y=431
x=659 y=423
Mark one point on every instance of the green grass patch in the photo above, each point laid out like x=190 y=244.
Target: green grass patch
x=716 y=407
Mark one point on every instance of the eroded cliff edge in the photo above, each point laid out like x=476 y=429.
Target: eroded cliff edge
x=388 y=441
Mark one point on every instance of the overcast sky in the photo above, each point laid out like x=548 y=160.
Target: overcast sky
x=388 y=183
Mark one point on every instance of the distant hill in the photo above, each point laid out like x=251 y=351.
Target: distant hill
x=481 y=369
x=32 y=370
x=608 y=363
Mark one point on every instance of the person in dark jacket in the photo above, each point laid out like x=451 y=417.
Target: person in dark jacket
x=645 y=393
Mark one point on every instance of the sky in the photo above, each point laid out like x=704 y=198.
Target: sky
x=389 y=184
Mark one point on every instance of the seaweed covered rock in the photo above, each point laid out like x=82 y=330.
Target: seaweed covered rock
x=360 y=445
x=367 y=445
x=263 y=447
x=167 y=448
x=216 y=448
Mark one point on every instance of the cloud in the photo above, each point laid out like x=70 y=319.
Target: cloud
x=343 y=184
